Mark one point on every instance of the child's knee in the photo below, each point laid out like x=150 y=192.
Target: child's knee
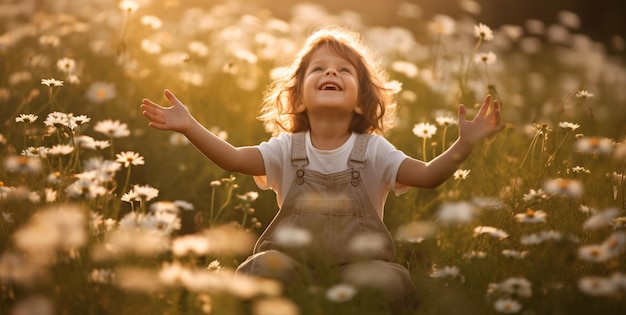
x=273 y=264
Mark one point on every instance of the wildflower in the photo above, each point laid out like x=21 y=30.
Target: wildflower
x=249 y=196
x=185 y=205
x=619 y=153
x=446 y=121
x=161 y=222
x=129 y=157
x=582 y=94
x=54 y=178
x=99 y=170
x=146 y=192
x=178 y=139
x=274 y=306
x=491 y=231
x=597 y=286
x=22 y=164
x=456 y=212
x=393 y=86
x=538 y=238
x=129 y=239
x=129 y=5
x=166 y=207
x=229 y=239
x=291 y=236
x=461 y=174
x=341 y=292
x=190 y=244
x=112 y=128
x=198 y=48
x=407 y=68
x=568 y=125
x=601 y=219
x=587 y=209
x=61 y=149
x=442 y=25
x=81 y=119
x=594 y=145
x=488 y=203
x=580 y=170
x=563 y=187
x=446 y=271
x=85 y=188
x=56 y=119
x=130 y=196
x=415 y=232
x=531 y=216
x=101 y=275
x=90 y=143
x=532 y=195
x=514 y=254
x=41 y=152
x=486 y=58
x=26 y=118
x=100 y=92
x=424 y=130
x=507 y=306
x=153 y=21
x=51 y=82
x=66 y=65
x=475 y=254
x=615 y=243
x=483 y=31
x=366 y=244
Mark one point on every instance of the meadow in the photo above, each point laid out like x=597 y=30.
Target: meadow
x=100 y=214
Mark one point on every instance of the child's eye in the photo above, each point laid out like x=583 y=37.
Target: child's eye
x=345 y=70
x=317 y=69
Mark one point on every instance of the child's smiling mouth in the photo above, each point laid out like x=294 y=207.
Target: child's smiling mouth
x=330 y=87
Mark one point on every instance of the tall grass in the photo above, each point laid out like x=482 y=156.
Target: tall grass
x=102 y=215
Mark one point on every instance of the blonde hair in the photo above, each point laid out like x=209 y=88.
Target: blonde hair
x=278 y=112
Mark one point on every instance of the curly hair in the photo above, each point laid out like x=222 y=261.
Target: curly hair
x=284 y=94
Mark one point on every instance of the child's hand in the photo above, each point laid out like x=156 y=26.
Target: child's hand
x=484 y=125
x=175 y=118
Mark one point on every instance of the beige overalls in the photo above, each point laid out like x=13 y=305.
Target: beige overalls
x=347 y=236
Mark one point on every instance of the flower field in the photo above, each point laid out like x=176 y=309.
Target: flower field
x=100 y=214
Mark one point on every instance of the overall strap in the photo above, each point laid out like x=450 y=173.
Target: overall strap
x=298 y=150
x=357 y=156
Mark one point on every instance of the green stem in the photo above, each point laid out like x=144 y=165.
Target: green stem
x=212 y=206
x=443 y=138
x=424 y=149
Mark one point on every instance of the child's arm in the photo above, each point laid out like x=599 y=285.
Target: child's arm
x=246 y=160
x=416 y=173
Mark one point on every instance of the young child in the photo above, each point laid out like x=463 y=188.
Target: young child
x=329 y=166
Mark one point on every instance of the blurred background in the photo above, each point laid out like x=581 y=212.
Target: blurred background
x=601 y=20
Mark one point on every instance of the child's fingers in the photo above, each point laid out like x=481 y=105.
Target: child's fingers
x=156 y=125
x=152 y=109
x=156 y=118
x=172 y=98
x=461 y=112
x=485 y=107
x=148 y=104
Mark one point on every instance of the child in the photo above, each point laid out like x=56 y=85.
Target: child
x=329 y=167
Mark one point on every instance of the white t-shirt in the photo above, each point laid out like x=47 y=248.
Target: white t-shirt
x=382 y=163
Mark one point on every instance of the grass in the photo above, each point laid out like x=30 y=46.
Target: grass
x=135 y=220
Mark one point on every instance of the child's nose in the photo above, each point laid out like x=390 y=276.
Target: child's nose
x=330 y=71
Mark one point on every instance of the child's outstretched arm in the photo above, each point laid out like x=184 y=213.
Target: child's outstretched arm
x=246 y=160
x=417 y=173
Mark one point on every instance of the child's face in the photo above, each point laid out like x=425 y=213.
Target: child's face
x=330 y=83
